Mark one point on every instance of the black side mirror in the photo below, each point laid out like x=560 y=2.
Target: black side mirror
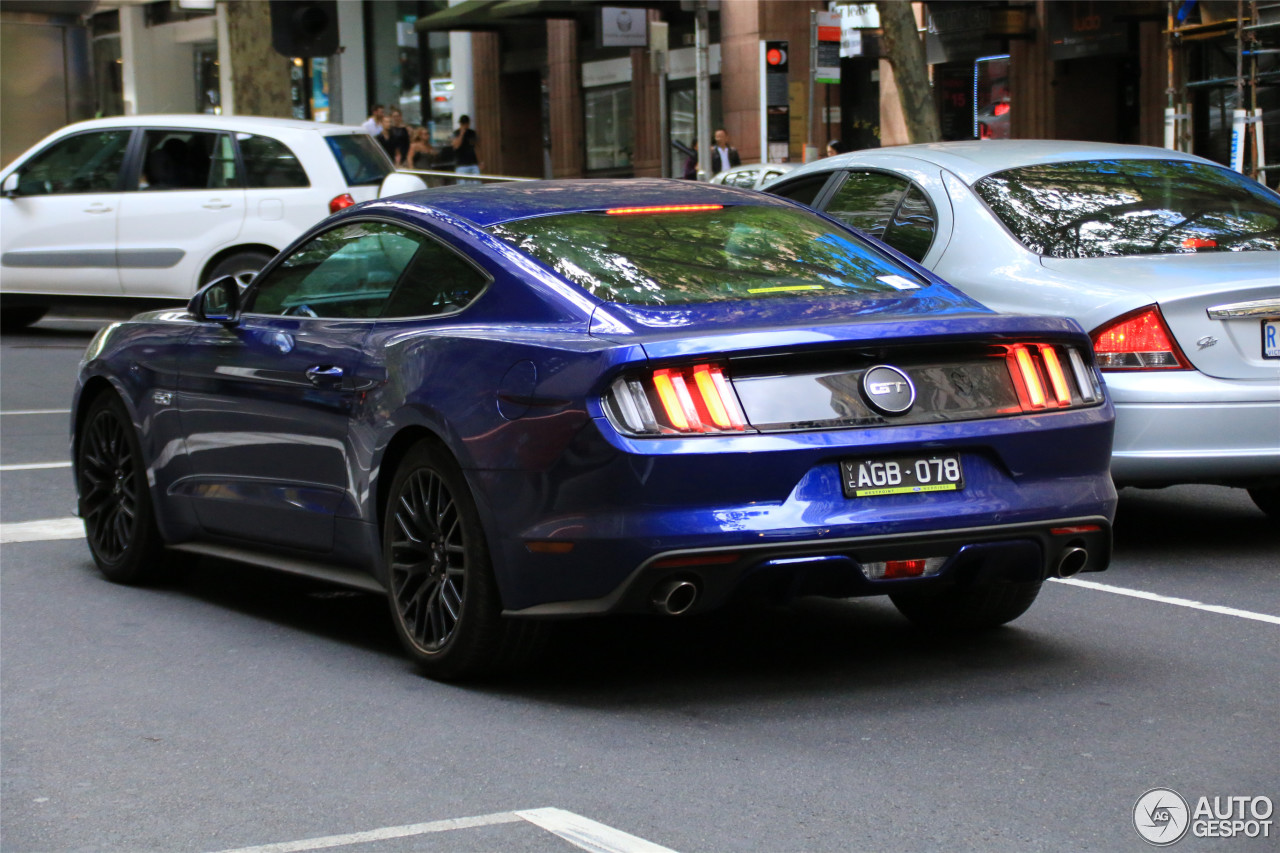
x=217 y=302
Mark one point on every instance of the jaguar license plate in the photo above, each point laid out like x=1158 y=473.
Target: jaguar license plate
x=901 y=475
x=1271 y=338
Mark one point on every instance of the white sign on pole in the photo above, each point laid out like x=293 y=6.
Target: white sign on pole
x=622 y=27
x=827 y=67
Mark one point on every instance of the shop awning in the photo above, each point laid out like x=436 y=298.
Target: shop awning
x=479 y=15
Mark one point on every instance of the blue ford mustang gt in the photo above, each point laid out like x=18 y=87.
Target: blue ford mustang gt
x=501 y=404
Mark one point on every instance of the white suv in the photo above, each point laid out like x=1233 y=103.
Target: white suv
x=151 y=207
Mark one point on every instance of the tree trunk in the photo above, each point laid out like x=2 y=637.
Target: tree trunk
x=904 y=49
x=260 y=84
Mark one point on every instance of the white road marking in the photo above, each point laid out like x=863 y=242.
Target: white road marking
x=1177 y=602
x=577 y=830
x=381 y=834
x=588 y=834
x=42 y=531
x=35 y=466
x=37 y=412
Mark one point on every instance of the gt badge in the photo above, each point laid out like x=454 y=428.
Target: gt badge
x=888 y=390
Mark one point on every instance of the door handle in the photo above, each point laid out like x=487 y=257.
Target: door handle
x=324 y=376
x=216 y=205
x=98 y=208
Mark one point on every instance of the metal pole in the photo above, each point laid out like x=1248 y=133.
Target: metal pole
x=664 y=121
x=702 y=51
x=813 y=72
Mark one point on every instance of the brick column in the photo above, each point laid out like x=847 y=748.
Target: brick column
x=646 y=156
x=564 y=80
x=1031 y=95
x=486 y=75
x=740 y=34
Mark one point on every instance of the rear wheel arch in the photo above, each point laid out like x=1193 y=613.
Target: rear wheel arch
x=399 y=446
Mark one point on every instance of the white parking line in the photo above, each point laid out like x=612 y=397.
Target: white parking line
x=37 y=412
x=1165 y=599
x=35 y=466
x=42 y=531
x=576 y=829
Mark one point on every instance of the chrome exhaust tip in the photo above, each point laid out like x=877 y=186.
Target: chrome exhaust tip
x=671 y=598
x=1072 y=561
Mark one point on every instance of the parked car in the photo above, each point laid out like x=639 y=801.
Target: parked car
x=551 y=399
x=755 y=176
x=1168 y=259
x=154 y=206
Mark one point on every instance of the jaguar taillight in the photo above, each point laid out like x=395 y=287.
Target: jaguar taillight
x=1139 y=340
x=1051 y=376
x=690 y=400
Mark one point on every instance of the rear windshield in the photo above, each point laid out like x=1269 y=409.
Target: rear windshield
x=725 y=254
x=1096 y=208
x=361 y=158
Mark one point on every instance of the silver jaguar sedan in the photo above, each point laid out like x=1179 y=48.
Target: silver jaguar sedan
x=1170 y=261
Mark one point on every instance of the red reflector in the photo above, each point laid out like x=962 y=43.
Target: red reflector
x=440 y=99
x=544 y=547
x=338 y=202
x=903 y=569
x=1000 y=109
x=667 y=208
x=1079 y=528
x=695 y=560
x=1199 y=243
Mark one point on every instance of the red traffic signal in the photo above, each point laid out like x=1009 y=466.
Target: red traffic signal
x=776 y=57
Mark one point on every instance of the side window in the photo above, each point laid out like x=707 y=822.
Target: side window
x=867 y=200
x=913 y=225
x=347 y=272
x=438 y=282
x=187 y=160
x=269 y=163
x=84 y=163
x=804 y=190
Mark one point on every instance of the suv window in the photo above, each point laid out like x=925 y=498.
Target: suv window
x=438 y=282
x=361 y=159
x=187 y=160
x=269 y=163
x=347 y=272
x=84 y=163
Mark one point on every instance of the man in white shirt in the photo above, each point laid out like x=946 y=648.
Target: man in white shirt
x=373 y=124
x=723 y=155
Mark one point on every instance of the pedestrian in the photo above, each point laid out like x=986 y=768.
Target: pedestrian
x=422 y=153
x=691 y=163
x=835 y=147
x=373 y=124
x=723 y=155
x=464 y=150
x=400 y=137
x=387 y=139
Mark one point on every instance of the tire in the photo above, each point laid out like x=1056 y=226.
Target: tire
x=971 y=608
x=114 y=498
x=242 y=265
x=441 y=590
x=20 y=316
x=1267 y=499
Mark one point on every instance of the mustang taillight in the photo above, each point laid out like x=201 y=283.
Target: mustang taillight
x=1040 y=377
x=1139 y=340
x=691 y=400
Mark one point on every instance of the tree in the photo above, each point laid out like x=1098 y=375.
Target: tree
x=905 y=52
x=259 y=76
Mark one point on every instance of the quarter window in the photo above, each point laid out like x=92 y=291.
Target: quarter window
x=913 y=225
x=84 y=163
x=803 y=191
x=269 y=163
x=187 y=160
x=347 y=272
x=439 y=281
x=867 y=200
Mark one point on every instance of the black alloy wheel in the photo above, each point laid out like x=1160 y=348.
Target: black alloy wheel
x=444 y=599
x=114 y=499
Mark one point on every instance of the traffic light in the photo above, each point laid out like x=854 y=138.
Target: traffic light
x=775 y=56
x=304 y=27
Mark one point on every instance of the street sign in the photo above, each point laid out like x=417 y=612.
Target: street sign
x=827 y=67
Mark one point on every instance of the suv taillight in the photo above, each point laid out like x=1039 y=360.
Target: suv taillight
x=694 y=400
x=338 y=202
x=1139 y=340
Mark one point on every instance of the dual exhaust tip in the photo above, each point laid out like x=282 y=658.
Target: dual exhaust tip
x=1072 y=561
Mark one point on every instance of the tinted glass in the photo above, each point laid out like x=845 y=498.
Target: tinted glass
x=347 y=272
x=361 y=159
x=734 y=253
x=1095 y=208
x=439 y=281
x=803 y=191
x=269 y=163
x=867 y=200
x=187 y=160
x=84 y=163
x=912 y=226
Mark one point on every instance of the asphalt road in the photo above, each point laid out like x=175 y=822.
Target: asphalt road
x=235 y=708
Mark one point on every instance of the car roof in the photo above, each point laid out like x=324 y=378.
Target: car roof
x=973 y=159
x=247 y=124
x=497 y=203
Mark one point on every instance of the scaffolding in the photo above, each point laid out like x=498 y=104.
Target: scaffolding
x=1251 y=31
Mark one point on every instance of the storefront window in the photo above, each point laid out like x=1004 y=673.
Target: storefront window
x=610 y=135
x=682 y=106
